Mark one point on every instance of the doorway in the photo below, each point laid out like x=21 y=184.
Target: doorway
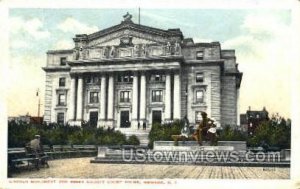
x=93 y=119
x=156 y=116
x=124 y=123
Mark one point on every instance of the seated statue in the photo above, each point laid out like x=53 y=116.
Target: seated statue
x=185 y=132
x=206 y=130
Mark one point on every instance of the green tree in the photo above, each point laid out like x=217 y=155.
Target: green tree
x=275 y=133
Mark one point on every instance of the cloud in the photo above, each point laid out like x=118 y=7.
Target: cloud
x=64 y=44
x=28 y=76
x=16 y=44
x=74 y=26
x=262 y=52
x=202 y=40
x=32 y=27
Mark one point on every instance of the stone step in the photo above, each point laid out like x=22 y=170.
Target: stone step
x=252 y=164
x=142 y=135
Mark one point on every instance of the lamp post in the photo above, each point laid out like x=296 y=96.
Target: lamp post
x=39 y=102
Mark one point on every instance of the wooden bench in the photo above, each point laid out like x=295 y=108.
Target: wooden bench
x=63 y=151
x=20 y=157
x=85 y=150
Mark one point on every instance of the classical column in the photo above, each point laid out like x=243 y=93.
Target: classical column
x=177 y=96
x=110 y=103
x=134 y=114
x=79 y=99
x=168 y=98
x=71 y=108
x=102 y=101
x=238 y=121
x=143 y=98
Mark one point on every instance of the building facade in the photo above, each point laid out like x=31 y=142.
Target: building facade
x=253 y=118
x=128 y=74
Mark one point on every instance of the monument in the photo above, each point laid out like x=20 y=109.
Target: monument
x=206 y=130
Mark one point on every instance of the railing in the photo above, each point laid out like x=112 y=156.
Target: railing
x=140 y=50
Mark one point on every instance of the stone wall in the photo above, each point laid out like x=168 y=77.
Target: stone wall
x=229 y=100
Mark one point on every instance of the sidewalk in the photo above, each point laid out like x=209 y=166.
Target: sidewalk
x=82 y=168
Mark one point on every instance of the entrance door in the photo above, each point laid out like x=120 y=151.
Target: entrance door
x=93 y=119
x=124 y=119
x=156 y=117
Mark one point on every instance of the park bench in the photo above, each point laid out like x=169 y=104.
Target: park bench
x=22 y=157
x=85 y=150
x=63 y=151
x=256 y=149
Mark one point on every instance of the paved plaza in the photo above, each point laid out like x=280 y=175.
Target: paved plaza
x=82 y=168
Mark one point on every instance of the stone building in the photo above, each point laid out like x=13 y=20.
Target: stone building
x=253 y=118
x=130 y=73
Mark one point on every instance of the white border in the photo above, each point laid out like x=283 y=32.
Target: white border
x=294 y=182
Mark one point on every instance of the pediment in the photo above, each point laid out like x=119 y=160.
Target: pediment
x=115 y=39
x=140 y=35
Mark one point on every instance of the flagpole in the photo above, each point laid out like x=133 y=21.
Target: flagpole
x=139 y=16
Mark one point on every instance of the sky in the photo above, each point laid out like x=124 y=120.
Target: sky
x=260 y=38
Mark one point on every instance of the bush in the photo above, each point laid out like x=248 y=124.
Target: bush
x=133 y=140
x=164 y=132
x=21 y=133
x=230 y=134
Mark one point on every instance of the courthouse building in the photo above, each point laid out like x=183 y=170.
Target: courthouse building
x=131 y=73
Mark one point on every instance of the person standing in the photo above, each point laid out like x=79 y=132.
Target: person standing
x=144 y=125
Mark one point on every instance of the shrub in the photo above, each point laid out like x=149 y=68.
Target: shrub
x=21 y=133
x=230 y=134
x=164 y=132
x=133 y=140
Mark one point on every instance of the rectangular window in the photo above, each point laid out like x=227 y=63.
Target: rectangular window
x=198 y=117
x=61 y=99
x=62 y=82
x=125 y=96
x=199 y=77
x=60 y=118
x=199 y=96
x=127 y=78
x=158 y=78
x=63 y=61
x=94 y=97
x=199 y=55
x=93 y=80
x=157 y=96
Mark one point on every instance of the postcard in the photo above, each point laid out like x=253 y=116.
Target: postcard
x=123 y=94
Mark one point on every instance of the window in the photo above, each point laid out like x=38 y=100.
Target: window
x=158 y=78
x=199 y=96
x=157 y=96
x=199 y=77
x=93 y=79
x=63 y=61
x=62 y=82
x=128 y=78
x=61 y=99
x=125 y=96
x=94 y=97
x=198 y=117
x=60 y=118
x=199 y=55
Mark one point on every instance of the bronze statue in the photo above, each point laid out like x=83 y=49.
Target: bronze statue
x=206 y=130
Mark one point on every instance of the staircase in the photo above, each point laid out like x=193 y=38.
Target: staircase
x=141 y=134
